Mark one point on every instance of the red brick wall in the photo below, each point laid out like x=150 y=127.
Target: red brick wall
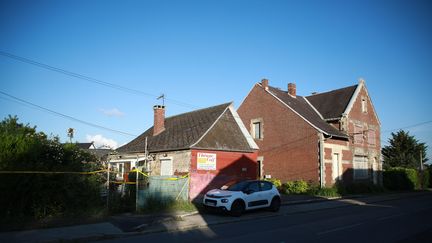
x=369 y=118
x=230 y=166
x=289 y=145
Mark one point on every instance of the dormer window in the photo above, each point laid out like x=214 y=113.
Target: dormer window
x=364 y=105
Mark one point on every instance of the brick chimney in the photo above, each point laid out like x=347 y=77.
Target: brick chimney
x=292 y=89
x=159 y=119
x=264 y=83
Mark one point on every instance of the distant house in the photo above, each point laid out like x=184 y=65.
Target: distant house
x=100 y=153
x=323 y=138
x=211 y=146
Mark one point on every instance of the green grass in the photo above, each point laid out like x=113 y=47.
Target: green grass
x=157 y=205
x=326 y=192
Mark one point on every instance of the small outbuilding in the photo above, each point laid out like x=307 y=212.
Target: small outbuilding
x=210 y=146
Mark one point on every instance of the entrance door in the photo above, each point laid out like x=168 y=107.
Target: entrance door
x=166 y=167
x=260 y=167
x=335 y=167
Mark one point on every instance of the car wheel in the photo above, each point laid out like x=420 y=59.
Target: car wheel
x=275 y=204
x=237 y=208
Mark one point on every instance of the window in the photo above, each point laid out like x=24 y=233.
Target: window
x=256 y=127
x=371 y=137
x=120 y=171
x=364 y=105
x=361 y=167
x=358 y=134
x=265 y=186
x=253 y=187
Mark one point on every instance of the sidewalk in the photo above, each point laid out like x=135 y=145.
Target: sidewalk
x=129 y=224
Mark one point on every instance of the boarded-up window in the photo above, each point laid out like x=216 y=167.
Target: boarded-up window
x=166 y=167
x=371 y=137
x=361 y=167
x=358 y=134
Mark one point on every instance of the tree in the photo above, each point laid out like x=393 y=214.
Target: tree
x=37 y=196
x=404 y=151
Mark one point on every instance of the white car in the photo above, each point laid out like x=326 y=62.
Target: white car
x=244 y=195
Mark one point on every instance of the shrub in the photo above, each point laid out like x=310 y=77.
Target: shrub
x=276 y=182
x=295 y=187
x=398 y=178
x=327 y=192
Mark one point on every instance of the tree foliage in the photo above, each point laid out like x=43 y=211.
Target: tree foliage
x=37 y=196
x=404 y=151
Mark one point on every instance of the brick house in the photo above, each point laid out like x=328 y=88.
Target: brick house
x=322 y=138
x=210 y=145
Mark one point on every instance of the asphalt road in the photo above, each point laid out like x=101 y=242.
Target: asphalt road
x=403 y=220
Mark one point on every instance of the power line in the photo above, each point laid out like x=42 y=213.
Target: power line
x=90 y=79
x=27 y=103
x=410 y=126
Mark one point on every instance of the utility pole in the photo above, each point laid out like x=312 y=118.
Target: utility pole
x=421 y=160
x=108 y=183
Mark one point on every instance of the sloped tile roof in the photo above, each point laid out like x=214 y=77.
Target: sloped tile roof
x=184 y=130
x=333 y=103
x=300 y=105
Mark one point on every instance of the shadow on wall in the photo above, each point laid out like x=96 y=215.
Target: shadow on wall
x=202 y=181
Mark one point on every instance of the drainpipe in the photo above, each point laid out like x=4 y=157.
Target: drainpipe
x=321 y=159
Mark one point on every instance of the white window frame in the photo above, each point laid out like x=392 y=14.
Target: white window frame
x=260 y=124
x=120 y=169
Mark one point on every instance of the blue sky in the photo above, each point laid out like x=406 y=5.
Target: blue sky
x=204 y=53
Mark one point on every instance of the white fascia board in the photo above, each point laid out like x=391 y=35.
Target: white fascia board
x=354 y=98
x=318 y=129
x=313 y=107
x=243 y=129
x=210 y=128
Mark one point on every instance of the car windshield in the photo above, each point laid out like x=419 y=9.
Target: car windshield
x=240 y=186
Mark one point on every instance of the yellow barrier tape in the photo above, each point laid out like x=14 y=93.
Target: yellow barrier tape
x=52 y=172
x=169 y=179
x=122 y=182
x=135 y=170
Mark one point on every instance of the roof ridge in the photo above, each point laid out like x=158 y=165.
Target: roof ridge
x=199 y=110
x=334 y=90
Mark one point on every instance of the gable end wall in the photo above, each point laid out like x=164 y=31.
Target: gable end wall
x=289 y=146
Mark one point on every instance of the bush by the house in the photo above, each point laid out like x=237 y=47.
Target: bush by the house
x=275 y=182
x=295 y=187
x=326 y=192
x=401 y=179
x=37 y=196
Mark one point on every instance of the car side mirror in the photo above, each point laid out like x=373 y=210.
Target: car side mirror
x=224 y=187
